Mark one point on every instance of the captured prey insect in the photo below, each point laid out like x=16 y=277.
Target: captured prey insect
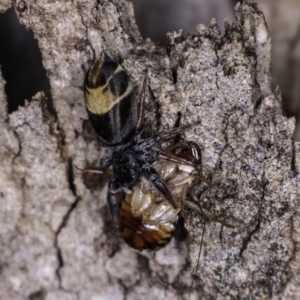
x=146 y=208
x=149 y=221
x=142 y=207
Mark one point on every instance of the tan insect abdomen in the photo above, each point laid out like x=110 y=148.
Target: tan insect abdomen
x=145 y=224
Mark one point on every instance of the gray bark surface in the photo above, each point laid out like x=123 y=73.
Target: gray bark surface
x=56 y=237
x=4 y=5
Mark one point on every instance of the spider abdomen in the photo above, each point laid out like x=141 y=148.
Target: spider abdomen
x=110 y=101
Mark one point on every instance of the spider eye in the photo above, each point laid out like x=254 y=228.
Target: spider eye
x=110 y=101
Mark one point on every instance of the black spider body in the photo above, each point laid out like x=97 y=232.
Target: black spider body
x=117 y=117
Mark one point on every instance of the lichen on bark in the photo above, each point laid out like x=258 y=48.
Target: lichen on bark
x=56 y=234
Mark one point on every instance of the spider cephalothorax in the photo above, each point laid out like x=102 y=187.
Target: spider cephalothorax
x=130 y=162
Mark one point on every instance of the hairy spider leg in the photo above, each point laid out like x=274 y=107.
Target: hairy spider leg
x=115 y=195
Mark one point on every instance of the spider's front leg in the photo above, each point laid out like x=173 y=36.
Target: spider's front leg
x=105 y=163
x=159 y=184
x=115 y=196
x=86 y=170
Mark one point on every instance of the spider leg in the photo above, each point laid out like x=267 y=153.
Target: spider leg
x=84 y=170
x=115 y=196
x=104 y=171
x=105 y=163
x=166 y=135
x=139 y=123
x=159 y=184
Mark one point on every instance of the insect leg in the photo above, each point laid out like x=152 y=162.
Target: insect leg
x=115 y=195
x=173 y=158
x=198 y=259
x=206 y=213
x=159 y=184
x=188 y=151
x=182 y=144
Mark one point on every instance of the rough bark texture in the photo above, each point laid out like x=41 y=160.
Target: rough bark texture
x=4 y=5
x=56 y=237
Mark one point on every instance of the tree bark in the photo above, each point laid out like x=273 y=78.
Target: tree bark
x=56 y=236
